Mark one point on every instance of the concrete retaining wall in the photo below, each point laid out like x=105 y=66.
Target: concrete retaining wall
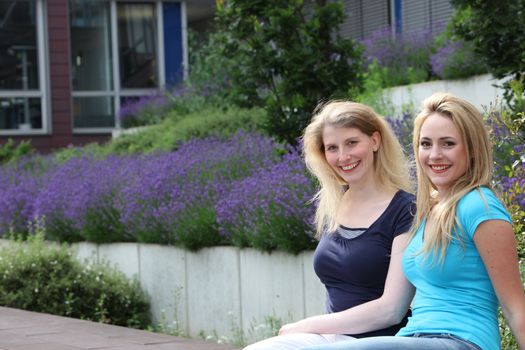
x=479 y=90
x=217 y=291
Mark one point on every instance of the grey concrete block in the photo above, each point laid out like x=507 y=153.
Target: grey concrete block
x=163 y=277
x=124 y=256
x=272 y=286
x=213 y=291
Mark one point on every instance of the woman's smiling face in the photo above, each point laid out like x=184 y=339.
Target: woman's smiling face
x=350 y=152
x=442 y=153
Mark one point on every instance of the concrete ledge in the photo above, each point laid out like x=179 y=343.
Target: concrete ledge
x=219 y=291
x=479 y=90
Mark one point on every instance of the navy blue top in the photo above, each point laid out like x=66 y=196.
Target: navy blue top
x=354 y=270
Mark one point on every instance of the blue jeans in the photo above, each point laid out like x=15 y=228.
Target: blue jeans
x=417 y=341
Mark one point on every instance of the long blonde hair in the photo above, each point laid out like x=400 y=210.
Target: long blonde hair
x=442 y=223
x=390 y=163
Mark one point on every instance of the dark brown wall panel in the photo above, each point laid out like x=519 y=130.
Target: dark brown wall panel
x=58 y=35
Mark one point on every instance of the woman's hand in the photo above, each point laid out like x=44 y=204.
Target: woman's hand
x=290 y=328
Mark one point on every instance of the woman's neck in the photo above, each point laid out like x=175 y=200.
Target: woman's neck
x=372 y=191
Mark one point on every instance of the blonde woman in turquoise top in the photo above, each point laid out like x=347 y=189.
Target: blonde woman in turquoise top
x=461 y=260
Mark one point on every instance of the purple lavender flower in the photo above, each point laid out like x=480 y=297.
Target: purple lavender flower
x=143 y=110
x=456 y=59
x=78 y=195
x=17 y=190
x=269 y=210
x=402 y=127
x=404 y=56
x=170 y=197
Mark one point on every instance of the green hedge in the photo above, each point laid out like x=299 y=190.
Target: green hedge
x=174 y=130
x=41 y=277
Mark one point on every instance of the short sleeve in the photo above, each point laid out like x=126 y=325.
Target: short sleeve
x=478 y=206
x=405 y=215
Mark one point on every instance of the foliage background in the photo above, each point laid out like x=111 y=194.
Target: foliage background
x=191 y=178
x=289 y=57
x=40 y=277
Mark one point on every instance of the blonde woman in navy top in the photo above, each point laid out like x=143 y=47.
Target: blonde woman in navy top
x=461 y=260
x=364 y=213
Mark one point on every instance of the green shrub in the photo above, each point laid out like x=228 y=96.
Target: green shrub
x=94 y=149
x=455 y=58
x=496 y=30
x=208 y=83
x=372 y=92
x=144 y=110
x=507 y=130
x=175 y=129
x=402 y=59
x=9 y=152
x=42 y=277
x=288 y=56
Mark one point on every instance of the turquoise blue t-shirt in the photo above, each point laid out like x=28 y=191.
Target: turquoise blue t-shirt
x=456 y=297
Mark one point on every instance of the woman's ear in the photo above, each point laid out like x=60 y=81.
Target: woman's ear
x=376 y=141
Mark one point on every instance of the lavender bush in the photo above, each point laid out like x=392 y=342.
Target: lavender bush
x=76 y=199
x=172 y=103
x=19 y=184
x=269 y=210
x=420 y=56
x=243 y=189
x=144 y=110
x=456 y=60
x=403 y=59
x=166 y=197
x=171 y=196
x=402 y=126
x=508 y=137
x=16 y=192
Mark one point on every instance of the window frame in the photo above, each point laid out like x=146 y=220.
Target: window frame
x=43 y=75
x=118 y=92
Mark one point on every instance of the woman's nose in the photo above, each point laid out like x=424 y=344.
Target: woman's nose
x=435 y=152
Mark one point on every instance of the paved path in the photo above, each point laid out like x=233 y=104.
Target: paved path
x=24 y=330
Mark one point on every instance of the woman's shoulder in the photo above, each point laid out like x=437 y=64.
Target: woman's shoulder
x=403 y=203
x=480 y=196
x=482 y=202
x=404 y=197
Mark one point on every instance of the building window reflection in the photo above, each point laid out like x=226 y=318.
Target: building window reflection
x=114 y=53
x=137 y=45
x=90 y=45
x=20 y=90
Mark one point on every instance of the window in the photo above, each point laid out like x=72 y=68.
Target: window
x=22 y=97
x=120 y=50
x=137 y=45
x=91 y=64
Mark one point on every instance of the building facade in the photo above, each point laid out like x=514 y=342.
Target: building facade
x=363 y=17
x=66 y=66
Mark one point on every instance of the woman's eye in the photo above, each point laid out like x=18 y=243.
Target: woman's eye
x=424 y=144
